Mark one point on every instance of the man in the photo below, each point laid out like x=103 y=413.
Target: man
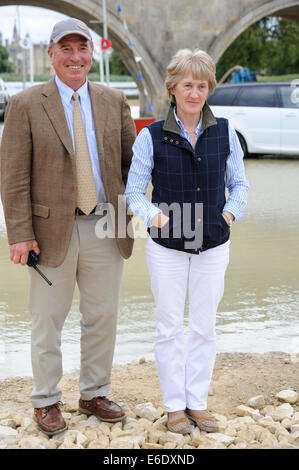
x=63 y=154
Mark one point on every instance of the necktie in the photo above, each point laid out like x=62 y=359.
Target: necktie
x=86 y=195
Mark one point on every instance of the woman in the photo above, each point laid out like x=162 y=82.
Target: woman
x=190 y=157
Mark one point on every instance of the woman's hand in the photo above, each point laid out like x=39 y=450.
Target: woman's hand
x=228 y=217
x=159 y=220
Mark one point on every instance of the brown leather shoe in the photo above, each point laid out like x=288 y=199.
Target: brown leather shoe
x=102 y=408
x=49 y=419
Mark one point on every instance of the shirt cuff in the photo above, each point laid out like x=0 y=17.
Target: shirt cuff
x=233 y=209
x=153 y=211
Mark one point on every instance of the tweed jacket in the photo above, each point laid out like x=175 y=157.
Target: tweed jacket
x=38 y=173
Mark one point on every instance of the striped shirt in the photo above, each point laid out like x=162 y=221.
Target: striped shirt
x=143 y=163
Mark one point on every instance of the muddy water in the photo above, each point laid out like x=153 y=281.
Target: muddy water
x=260 y=308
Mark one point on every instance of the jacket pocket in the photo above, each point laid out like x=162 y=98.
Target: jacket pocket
x=40 y=211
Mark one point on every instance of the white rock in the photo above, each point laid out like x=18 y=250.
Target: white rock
x=151 y=445
x=11 y=423
x=222 y=420
x=62 y=435
x=221 y=438
x=240 y=420
x=286 y=423
x=128 y=442
x=93 y=421
x=267 y=410
x=288 y=396
x=256 y=402
x=81 y=439
x=71 y=406
x=27 y=422
x=154 y=436
x=281 y=412
x=8 y=442
x=147 y=411
x=168 y=436
x=70 y=446
x=130 y=422
x=247 y=411
x=31 y=443
x=7 y=431
x=195 y=436
x=266 y=421
x=169 y=445
x=161 y=423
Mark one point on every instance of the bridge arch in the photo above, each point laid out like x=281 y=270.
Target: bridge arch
x=290 y=10
x=86 y=10
x=158 y=29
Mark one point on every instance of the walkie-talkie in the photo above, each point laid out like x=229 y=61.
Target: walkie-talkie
x=32 y=261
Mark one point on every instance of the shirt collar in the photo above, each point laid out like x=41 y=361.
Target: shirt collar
x=198 y=127
x=67 y=92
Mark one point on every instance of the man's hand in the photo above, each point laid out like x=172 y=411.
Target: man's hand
x=159 y=220
x=19 y=251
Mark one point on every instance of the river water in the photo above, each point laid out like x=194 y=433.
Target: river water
x=258 y=313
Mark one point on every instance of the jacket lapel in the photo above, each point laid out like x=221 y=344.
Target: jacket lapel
x=99 y=110
x=53 y=106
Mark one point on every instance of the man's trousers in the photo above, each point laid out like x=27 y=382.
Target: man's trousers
x=96 y=265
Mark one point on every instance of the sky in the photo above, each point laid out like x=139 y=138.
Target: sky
x=38 y=22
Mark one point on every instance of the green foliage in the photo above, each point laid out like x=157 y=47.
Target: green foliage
x=117 y=67
x=270 y=46
x=285 y=39
x=5 y=66
x=279 y=78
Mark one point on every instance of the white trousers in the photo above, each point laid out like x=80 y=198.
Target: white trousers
x=185 y=375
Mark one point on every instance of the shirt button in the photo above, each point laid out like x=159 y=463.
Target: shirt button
x=198 y=220
x=177 y=142
x=198 y=189
x=171 y=140
x=199 y=159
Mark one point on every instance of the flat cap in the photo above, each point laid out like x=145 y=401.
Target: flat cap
x=69 y=26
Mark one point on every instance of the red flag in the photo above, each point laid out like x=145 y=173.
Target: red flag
x=105 y=44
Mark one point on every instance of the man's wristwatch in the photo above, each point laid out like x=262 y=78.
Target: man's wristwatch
x=228 y=219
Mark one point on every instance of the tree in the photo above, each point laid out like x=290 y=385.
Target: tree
x=270 y=46
x=117 y=67
x=285 y=40
x=5 y=65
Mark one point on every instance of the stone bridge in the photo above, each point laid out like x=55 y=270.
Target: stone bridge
x=154 y=30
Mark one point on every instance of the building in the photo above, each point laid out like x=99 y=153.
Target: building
x=17 y=54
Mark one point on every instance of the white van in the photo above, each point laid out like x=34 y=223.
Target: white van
x=265 y=115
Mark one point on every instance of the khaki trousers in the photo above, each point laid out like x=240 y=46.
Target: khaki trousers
x=96 y=265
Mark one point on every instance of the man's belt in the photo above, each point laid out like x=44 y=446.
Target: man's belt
x=79 y=213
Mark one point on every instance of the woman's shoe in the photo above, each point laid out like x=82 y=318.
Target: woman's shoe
x=204 y=420
x=179 y=423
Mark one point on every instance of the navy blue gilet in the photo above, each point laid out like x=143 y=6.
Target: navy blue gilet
x=182 y=174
